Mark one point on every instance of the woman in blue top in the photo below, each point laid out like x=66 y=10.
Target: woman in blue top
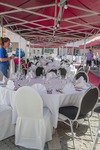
x=4 y=59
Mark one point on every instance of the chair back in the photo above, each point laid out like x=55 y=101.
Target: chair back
x=99 y=87
x=81 y=74
x=53 y=70
x=63 y=72
x=28 y=103
x=89 y=101
x=99 y=90
x=39 y=71
x=40 y=88
x=80 y=69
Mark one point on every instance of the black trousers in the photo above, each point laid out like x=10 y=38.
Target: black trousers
x=88 y=62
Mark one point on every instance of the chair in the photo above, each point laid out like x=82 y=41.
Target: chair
x=99 y=90
x=33 y=127
x=7 y=129
x=74 y=114
x=80 y=68
x=39 y=71
x=98 y=104
x=97 y=110
x=82 y=74
x=40 y=88
x=63 y=72
x=86 y=69
x=97 y=136
x=53 y=70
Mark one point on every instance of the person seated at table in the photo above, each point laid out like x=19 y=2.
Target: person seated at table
x=4 y=59
x=24 y=66
x=29 y=63
x=16 y=61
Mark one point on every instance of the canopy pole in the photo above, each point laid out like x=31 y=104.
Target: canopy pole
x=62 y=50
x=1 y=22
x=29 y=49
x=19 y=52
x=66 y=51
x=58 y=51
x=44 y=51
x=72 y=52
x=84 y=50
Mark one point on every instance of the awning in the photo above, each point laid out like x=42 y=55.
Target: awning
x=93 y=42
x=44 y=21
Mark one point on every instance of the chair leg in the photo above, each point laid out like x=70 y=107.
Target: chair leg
x=90 y=129
x=77 y=125
x=98 y=116
x=71 y=125
x=96 y=138
x=94 y=143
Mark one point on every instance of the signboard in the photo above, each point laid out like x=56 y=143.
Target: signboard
x=49 y=50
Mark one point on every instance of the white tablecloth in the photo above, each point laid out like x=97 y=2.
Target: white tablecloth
x=52 y=83
x=52 y=101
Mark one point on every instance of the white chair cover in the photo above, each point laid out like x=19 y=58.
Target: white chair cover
x=33 y=126
x=7 y=129
x=39 y=88
x=73 y=69
x=33 y=67
x=51 y=75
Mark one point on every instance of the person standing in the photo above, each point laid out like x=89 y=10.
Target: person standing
x=89 y=58
x=4 y=59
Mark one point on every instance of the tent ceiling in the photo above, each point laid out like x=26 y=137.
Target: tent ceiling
x=48 y=20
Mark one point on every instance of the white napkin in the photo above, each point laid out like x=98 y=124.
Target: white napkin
x=39 y=88
x=80 y=83
x=31 y=75
x=72 y=68
x=10 y=84
x=68 y=87
x=51 y=75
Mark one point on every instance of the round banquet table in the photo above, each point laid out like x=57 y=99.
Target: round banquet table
x=52 y=101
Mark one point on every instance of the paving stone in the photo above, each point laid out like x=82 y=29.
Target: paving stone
x=55 y=143
x=62 y=139
x=7 y=148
